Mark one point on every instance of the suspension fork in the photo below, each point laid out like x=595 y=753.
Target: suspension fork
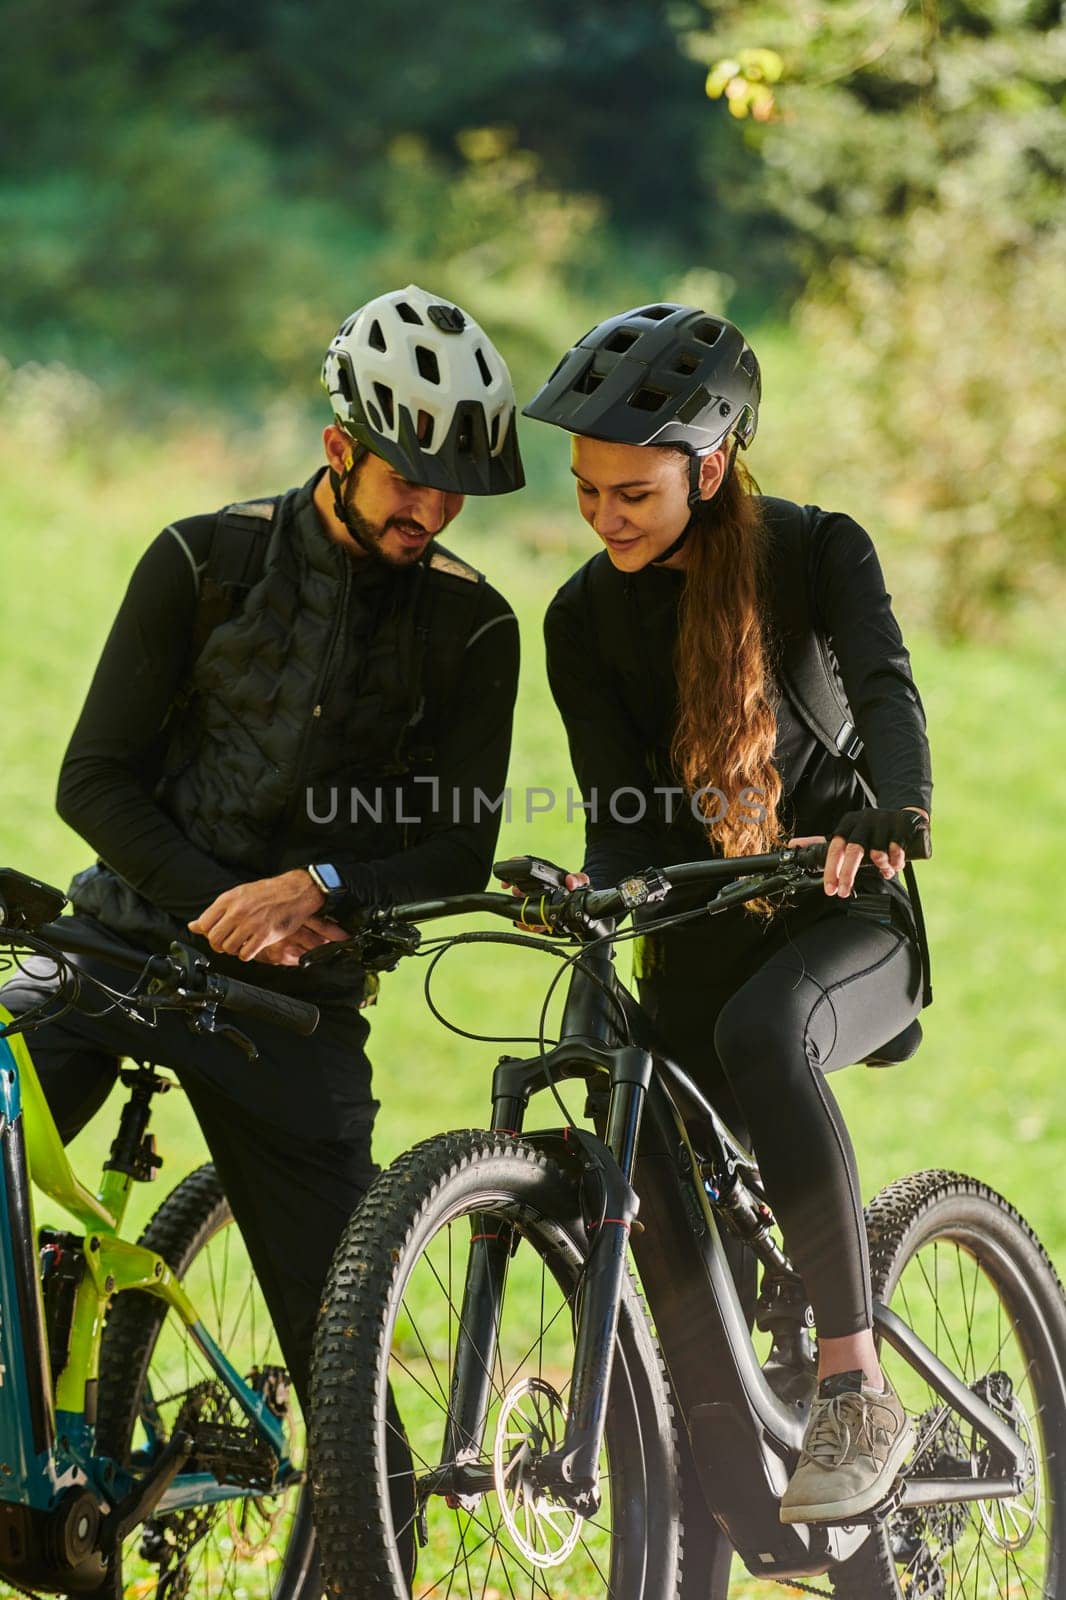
x=572 y=1471
x=477 y=1340
x=609 y=1204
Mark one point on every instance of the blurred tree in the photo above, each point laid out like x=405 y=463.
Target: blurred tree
x=886 y=105
x=919 y=151
x=173 y=162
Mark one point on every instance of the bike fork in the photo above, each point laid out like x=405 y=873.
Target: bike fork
x=609 y=1205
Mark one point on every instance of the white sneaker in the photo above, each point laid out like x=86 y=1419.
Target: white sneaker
x=855 y=1443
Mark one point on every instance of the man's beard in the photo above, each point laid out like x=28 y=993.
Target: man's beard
x=369 y=535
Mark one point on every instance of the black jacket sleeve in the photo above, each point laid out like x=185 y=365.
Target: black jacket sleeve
x=604 y=749
x=111 y=765
x=856 y=612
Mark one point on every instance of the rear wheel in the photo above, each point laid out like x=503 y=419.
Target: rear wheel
x=967 y=1274
x=387 y=1344
x=154 y=1378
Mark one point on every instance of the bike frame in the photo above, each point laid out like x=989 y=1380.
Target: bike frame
x=48 y=1433
x=743 y=1440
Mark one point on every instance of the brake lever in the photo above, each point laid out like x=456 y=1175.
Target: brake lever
x=379 y=947
x=332 y=949
x=205 y=1021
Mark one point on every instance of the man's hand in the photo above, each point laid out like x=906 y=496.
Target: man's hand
x=272 y=920
x=315 y=931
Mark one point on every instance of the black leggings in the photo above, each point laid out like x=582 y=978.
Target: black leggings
x=759 y=1030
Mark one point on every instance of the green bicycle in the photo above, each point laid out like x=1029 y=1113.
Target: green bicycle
x=150 y=1442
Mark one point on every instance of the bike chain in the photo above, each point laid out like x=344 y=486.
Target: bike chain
x=808 y=1588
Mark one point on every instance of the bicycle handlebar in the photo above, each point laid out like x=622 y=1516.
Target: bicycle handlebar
x=391 y=935
x=184 y=975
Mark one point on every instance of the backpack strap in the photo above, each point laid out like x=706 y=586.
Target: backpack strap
x=234 y=564
x=808 y=671
x=806 y=666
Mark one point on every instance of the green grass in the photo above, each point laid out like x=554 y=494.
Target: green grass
x=984 y=1094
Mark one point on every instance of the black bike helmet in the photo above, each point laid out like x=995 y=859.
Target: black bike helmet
x=659 y=374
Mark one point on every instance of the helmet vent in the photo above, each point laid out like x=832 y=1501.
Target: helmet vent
x=374 y=414
x=621 y=339
x=464 y=438
x=483 y=368
x=375 y=338
x=588 y=382
x=707 y=332
x=427 y=364
x=748 y=364
x=384 y=395
x=408 y=313
x=343 y=382
x=424 y=430
x=686 y=364
x=494 y=433
x=648 y=399
x=657 y=313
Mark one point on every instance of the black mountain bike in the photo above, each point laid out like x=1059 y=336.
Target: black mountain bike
x=493 y=1415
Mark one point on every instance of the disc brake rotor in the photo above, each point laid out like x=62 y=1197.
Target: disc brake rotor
x=531 y=1424
x=1010 y=1523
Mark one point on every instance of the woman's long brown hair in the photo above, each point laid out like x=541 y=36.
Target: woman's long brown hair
x=727 y=724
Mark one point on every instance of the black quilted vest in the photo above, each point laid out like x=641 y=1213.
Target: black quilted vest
x=255 y=723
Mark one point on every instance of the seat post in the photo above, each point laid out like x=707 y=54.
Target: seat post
x=133 y=1157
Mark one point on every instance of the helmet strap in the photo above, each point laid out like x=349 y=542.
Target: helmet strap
x=678 y=544
x=695 y=500
x=337 y=482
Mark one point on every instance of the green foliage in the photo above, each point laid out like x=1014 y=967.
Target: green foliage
x=919 y=152
x=190 y=205
x=937 y=410
x=889 y=106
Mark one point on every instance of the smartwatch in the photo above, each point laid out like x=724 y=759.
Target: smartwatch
x=328 y=879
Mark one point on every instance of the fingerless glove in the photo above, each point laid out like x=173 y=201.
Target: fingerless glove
x=876 y=829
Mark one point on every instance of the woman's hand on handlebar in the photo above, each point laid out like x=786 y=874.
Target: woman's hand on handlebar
x=845 y=854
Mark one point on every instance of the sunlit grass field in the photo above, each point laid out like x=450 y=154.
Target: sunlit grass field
x=984 y=1094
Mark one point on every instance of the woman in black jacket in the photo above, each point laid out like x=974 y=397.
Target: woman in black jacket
x=663 y=654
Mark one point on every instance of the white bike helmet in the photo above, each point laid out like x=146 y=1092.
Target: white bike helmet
x=415 y=380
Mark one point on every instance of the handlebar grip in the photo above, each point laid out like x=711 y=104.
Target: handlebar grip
x=298 y=1015
x=812 y=855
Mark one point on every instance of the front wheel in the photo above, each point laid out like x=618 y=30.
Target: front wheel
x=967 y=1274
x=390 y=1521
x=153 y=1378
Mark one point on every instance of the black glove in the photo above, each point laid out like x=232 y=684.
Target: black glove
x=875 y=829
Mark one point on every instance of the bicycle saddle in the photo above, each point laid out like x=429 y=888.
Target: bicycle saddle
x=901 y=1048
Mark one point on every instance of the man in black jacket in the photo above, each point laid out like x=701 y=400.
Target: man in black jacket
x=300 y=714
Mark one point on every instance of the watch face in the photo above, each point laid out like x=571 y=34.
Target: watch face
x=329 y=876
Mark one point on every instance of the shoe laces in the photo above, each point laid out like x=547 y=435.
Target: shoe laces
x=837 y=1424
